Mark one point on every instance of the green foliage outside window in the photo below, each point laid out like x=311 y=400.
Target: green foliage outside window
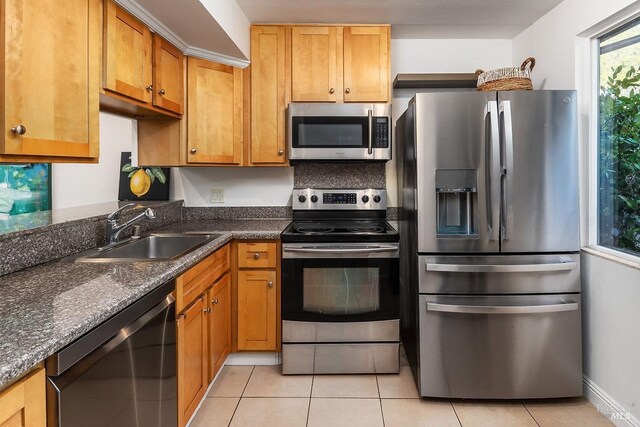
x=619 y=150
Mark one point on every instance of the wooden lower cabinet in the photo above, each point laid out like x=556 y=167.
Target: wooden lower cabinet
x=219 y=324
x=192 y=359
x=257 y=311
x=24 y=403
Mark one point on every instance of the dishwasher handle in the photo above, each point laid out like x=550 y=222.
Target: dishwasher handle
x=503 y=309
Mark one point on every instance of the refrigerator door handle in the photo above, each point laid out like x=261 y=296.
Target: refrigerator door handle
x=494 y=170
x=505 y=113
x=501 y=268
x=503 y=309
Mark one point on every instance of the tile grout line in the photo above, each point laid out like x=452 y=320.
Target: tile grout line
x=313 y=377
x=530 y=414
x=241 y=394
x=380 y=401
x=455 y=412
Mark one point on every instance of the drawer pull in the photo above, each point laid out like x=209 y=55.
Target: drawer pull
x=256 y=255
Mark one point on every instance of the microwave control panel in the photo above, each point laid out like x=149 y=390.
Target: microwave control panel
x=380 y=131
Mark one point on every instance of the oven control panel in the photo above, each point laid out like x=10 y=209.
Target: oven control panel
x=326 y=199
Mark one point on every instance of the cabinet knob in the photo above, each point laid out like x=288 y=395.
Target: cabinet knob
x=207 y=310
x=332 y=90
x=215 y=301
x=162 y=91
x=280 y=152
x=19 y=130
x=347 y=90
x=256 y=255
x=193 y=151
x=149 y=88
x=270 y=284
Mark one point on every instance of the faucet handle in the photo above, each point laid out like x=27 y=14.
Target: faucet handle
x=116 y=214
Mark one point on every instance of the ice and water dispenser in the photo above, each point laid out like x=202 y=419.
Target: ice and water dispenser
x=457 y=198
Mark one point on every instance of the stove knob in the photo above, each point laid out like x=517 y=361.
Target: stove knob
x=365 y=199
x=302 y=198
x=314 y=198
x=376 y=198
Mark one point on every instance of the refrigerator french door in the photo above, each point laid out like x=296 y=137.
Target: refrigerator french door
x=490 y=296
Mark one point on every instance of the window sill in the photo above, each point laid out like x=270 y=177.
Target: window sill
x=613 y=255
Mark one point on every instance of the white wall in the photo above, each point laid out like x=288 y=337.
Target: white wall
x=439 y=56
x=611 y=289
x=76 y=184
x=265 y=186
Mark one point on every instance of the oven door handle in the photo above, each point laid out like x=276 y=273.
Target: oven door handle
x=339 y=250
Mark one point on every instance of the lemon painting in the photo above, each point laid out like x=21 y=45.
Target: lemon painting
x=141 y=179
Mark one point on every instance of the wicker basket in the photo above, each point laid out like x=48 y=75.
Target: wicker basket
x=510 y=78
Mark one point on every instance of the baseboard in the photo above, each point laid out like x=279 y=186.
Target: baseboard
x=617 y=413
x=254 y=358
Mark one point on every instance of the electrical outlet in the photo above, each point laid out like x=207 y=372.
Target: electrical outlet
x=217 y=195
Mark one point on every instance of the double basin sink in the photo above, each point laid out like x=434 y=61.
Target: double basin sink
x=156 y=247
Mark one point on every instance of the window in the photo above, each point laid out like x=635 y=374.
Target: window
x=619 y=139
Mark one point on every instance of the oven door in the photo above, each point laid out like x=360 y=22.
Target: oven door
x=340 y=282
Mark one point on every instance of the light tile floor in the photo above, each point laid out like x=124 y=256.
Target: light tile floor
x=259 y=396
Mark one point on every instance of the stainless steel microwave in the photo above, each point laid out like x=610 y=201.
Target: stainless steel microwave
x=339 y=131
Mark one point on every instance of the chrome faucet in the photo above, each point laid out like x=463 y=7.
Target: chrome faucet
x=114 y=229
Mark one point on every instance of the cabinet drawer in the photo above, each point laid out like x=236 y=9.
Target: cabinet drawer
x=256 y=255
x=196 y=280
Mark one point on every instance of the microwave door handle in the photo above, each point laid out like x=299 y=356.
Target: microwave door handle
x=494 y=170
x=505 y=112
x=370 y=116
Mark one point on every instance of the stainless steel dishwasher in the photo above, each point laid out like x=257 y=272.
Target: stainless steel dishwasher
x=122 y=373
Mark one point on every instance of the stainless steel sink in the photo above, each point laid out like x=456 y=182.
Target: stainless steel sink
x=156 y=247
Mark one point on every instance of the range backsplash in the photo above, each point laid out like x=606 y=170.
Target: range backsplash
x=339 y=175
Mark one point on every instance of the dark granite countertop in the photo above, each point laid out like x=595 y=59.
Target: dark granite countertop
x=46 y=307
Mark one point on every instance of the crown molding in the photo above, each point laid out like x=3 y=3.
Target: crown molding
x=216 y=57
x=158 y=27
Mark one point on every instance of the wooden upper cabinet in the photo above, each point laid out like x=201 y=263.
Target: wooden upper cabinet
x=24 y=403
x=366 y=64
x=314 y=60
x=50 y=80
x=168 y=76
x=127 y=54
x=215 y=97
x=270 y=93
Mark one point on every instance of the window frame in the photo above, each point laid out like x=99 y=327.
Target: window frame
x=594 y=143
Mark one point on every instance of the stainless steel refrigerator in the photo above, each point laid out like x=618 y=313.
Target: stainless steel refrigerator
x=490 y=267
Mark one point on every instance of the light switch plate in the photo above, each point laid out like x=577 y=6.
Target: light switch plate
x=216 y=195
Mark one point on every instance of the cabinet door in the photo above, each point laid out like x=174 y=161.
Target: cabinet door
x=24 y=403
x=366 y=64
x=270 y=77
x=192 y=359
x=127 y=54
x=219 y=324
x=257 y=310
x=215 y=113
x=313 y=64
x=51 y=70
x=168 y=76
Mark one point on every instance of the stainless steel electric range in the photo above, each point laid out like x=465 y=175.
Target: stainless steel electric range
x=340 y=305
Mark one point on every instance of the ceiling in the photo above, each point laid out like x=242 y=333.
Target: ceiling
x=410 y=18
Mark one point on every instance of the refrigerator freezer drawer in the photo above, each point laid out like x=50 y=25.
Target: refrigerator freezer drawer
x=500 y=347
x=499 y=274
